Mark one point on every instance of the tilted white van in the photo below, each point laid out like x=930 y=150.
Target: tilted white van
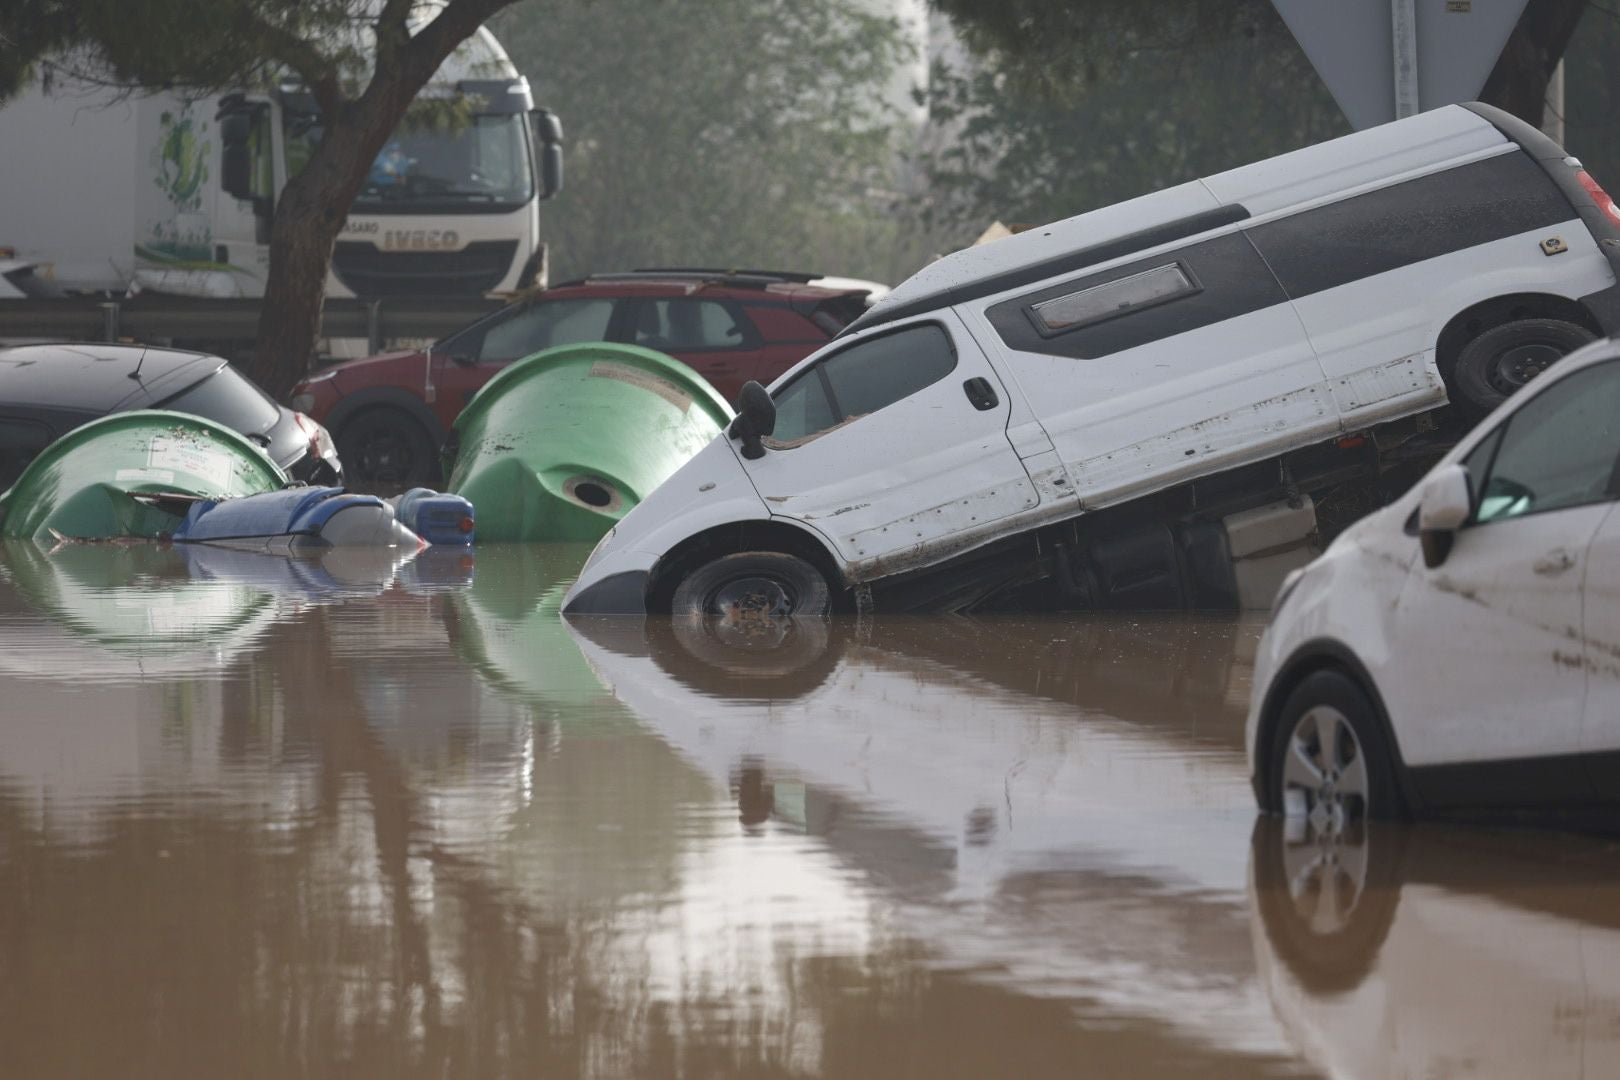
x=1149 y=405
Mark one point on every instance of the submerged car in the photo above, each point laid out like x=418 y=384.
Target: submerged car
x=1460 y=649
x=391 y=413
x=1143 y=406
x=48 y=390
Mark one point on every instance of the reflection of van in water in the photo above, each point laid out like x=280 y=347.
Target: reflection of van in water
x=988 y=435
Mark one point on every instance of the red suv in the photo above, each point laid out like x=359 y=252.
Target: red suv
x=390 y=413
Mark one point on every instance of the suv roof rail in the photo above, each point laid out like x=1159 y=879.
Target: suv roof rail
x=708 y=271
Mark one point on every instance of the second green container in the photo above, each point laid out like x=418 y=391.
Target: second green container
x=560 y=445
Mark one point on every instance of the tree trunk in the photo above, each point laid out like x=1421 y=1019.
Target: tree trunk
x=312 y=208
x=1518 y=83
x=309 y=215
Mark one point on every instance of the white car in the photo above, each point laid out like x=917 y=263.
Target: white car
x=1133 y=408
x=1461 y=647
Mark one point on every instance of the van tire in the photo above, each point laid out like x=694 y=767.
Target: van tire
x=753 y=585
x=1504 y=358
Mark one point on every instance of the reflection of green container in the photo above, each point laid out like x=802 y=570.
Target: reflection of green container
x=507 y=627
x=561 y=445
x=131 y=474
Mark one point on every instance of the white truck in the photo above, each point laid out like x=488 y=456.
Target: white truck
x=174 y=194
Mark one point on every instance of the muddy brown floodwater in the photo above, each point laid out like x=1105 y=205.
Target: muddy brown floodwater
x=375 y=817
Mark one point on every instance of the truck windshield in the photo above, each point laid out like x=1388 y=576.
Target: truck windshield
x=484 y=162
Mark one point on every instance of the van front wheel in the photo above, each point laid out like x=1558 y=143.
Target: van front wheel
x=753 y=585
x=1502 y=359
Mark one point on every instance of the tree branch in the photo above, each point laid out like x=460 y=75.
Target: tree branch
x=319 y=72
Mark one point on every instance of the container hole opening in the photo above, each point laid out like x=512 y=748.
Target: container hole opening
x=592 y=494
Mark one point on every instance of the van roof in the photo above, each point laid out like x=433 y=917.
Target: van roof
x=1163 y=216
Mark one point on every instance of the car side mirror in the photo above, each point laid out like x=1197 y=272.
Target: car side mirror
x=756 y=418
x=1445 y=502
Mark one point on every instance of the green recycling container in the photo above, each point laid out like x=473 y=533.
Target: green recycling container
x=131 y=474
x=560 y=445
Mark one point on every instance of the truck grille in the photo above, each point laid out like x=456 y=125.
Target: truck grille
x=371 y=273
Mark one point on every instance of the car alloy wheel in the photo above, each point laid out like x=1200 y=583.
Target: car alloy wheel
x=1324 y=772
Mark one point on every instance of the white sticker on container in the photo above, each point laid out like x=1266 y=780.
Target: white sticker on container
x=196 y=459
x=144 y=476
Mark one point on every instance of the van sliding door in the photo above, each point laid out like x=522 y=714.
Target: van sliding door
x=1164 y=368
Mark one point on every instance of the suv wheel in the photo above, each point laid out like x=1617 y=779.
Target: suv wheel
x=387 y=449
x=1328 y=761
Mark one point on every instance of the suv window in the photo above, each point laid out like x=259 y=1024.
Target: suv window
x=688 y=324
x=1558 y=451
x=862 y=379
x=20 y=442
x=540 y=326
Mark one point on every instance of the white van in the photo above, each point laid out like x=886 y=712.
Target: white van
x=1147 y=405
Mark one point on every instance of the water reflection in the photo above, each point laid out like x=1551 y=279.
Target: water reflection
x=306 y=819
x=1436 y=951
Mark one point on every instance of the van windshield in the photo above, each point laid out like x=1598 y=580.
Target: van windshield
x=483 y=162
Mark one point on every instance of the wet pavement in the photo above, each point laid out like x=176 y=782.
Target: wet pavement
x=372 y=816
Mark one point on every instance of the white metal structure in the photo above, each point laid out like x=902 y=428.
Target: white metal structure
x=1458 y=648
x=104 y=194
x=1227 y=346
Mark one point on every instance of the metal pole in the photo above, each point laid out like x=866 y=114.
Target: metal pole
x=109 y=320
x=1403 y=17
x=374 y=326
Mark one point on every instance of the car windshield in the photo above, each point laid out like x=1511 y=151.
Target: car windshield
x=227 y=397
x=484 y=160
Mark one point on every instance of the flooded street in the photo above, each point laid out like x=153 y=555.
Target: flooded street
x=371 y=816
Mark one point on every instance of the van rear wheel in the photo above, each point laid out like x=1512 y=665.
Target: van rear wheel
x=1502 y=359
x=753 y=585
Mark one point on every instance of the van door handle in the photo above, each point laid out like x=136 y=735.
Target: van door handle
x=981 y=393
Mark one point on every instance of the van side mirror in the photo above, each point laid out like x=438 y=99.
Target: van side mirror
x=1445 y=503
x=756 y=418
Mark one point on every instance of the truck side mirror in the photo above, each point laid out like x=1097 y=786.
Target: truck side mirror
x=756 y=418
x=551 y=170
x=1445 y=503
x=548 y=138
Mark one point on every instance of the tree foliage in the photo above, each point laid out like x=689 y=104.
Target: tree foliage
x=1066 y=107
x=1071 y=104
x=727 y=133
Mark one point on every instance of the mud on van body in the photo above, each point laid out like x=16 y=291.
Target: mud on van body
x=1162 y=403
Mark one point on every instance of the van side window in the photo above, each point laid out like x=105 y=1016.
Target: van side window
x=1560 y=450
x=862 y=379
x=1098 y=302
x=1109 y=311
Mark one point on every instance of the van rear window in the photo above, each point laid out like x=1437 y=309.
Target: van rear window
x=1111 y=298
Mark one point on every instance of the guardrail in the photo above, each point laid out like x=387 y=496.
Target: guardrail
x=159 y=318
